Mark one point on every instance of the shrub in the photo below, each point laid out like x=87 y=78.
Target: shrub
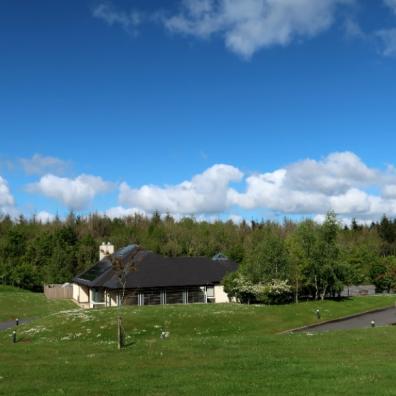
x=274 y=292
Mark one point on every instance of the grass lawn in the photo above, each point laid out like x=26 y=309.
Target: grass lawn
x=223 y=349
x=19 y=303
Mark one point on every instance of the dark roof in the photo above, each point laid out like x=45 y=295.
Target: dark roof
x=154 y=270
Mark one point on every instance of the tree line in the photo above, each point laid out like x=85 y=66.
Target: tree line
x=297 y=259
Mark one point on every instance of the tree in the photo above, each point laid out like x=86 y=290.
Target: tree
x=266 y=258
x=383 y=274
x=299 y=247
x=328 y=273
x=301 y=251
x=123 y=265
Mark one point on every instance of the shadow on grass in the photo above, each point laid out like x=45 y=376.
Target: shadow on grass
x=128 y=344
x=23 y=340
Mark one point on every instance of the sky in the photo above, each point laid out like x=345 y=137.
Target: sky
x=217 y=109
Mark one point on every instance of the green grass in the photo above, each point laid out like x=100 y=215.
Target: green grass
x=19 y=303
x=223 y=349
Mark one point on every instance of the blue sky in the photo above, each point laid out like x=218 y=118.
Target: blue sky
x=211 y=108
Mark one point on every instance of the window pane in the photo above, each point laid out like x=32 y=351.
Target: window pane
x=98 y=295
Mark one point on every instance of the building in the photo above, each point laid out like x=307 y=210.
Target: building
x=150 y=278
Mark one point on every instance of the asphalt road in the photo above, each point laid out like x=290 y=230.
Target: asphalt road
x=382 y=318
x=11 y=323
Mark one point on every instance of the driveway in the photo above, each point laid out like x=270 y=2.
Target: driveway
x=11 y=323
x=382 y=317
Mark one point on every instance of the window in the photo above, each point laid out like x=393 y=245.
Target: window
x=98 y=295
x=210 y=291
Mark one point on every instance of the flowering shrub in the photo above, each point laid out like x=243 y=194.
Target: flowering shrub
x=238 y=285
x=275 y=292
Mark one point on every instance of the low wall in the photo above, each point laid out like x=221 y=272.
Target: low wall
x=358 y=290
x=55 y=291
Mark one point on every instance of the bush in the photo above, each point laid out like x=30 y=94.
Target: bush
x=237 y=285
x=274 y=292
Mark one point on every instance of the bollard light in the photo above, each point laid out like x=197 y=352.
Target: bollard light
x=17 y=321
x=318 y=313
x=14 y=336
x=372 y=323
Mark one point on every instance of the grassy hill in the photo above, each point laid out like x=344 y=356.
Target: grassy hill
x=224 y=349
x=19 y=303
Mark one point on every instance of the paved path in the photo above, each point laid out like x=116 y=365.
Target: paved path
x=11 y=323
x=382 y=318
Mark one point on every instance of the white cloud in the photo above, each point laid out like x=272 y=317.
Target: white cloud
x=339 y=182
x=129 y=21
x=45 y=217
x=250 y=25
x=334 y=174
x=391 y=4
x=353 y=30
x=75 y=194
x=120 y=212
x=7 y=201
x=387 y=39
x=204 y=193
x=236 y=219
x=6 y=198
x=389 y=191
x=40 y=164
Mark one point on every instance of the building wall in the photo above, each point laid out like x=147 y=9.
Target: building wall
x=220 y=295
x=111 y=298
x=81 y=295
x=84 y=296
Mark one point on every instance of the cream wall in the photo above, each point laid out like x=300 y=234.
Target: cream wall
x=80 y=294
x=220 y=295
x=111 y=298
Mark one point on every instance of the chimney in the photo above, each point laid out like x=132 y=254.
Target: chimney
x=105 y=249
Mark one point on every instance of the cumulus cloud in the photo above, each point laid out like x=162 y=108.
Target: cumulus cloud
x=6 y=198
x=204 y=193
x=75 y=194
x=236 y=219
x=339 y=182
x=249 y=25
x=44 y=217
x=41 y=164
x=7 y=201
x=128 y=21
x=334 y=174
x=119 y=212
